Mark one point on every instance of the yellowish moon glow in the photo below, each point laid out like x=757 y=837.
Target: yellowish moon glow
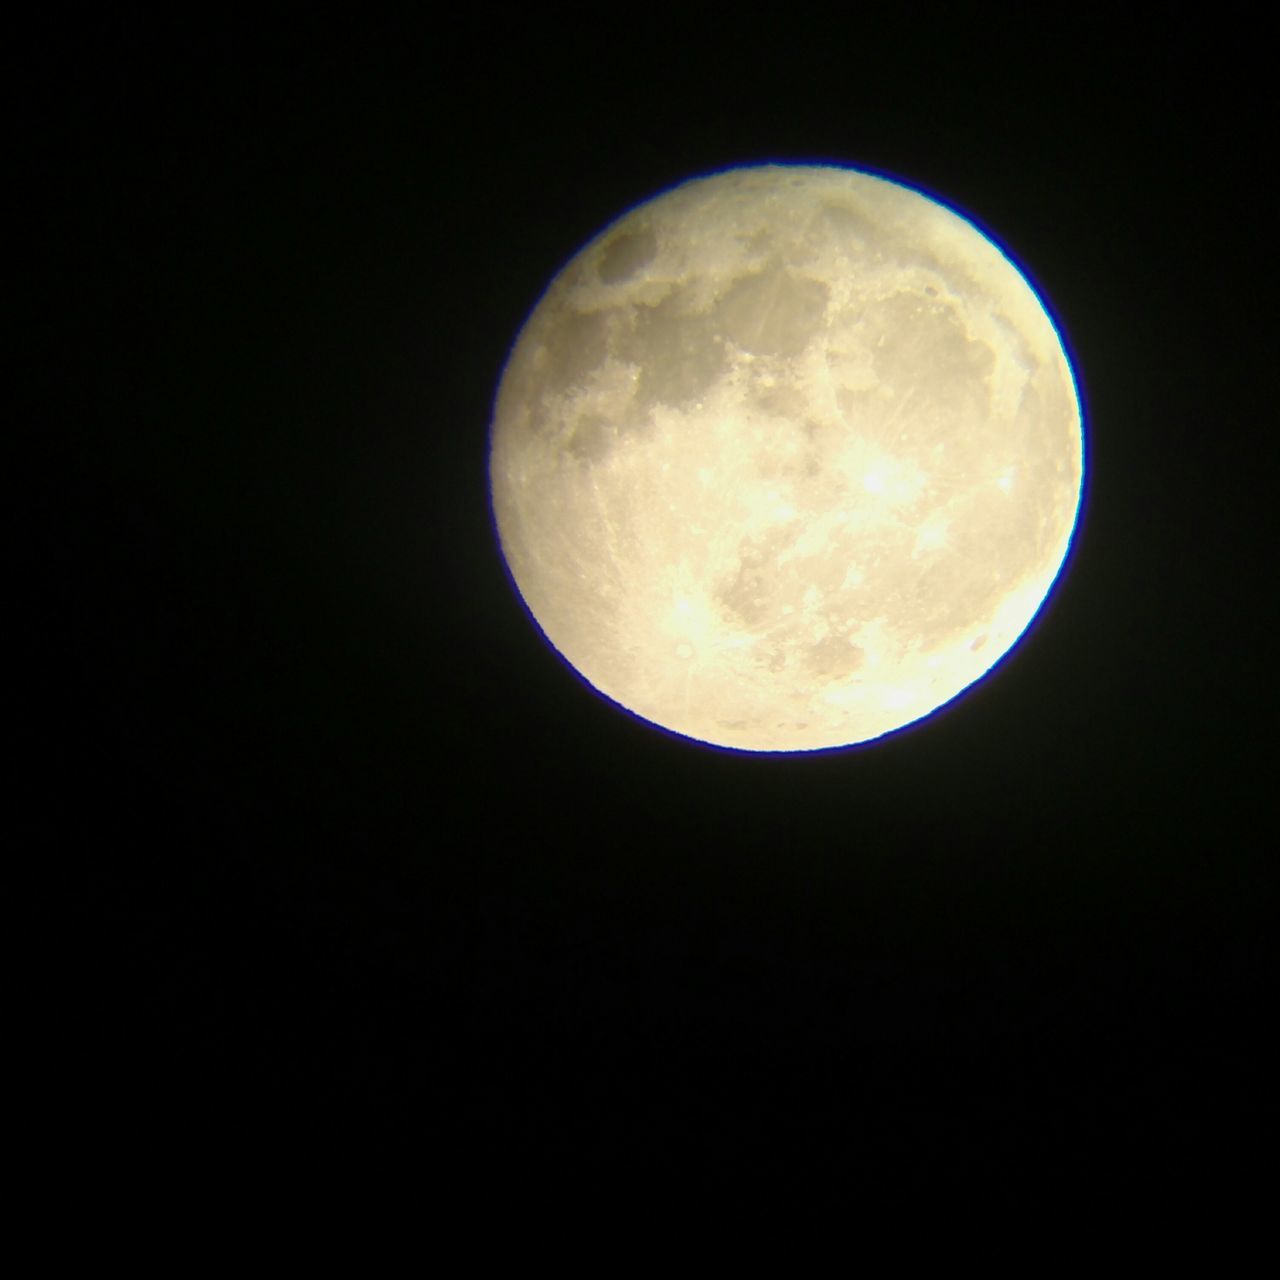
x=786 y=458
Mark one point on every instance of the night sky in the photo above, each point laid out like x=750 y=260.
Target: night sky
x=349 y=866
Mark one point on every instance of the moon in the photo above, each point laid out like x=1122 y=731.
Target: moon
x=786 y=458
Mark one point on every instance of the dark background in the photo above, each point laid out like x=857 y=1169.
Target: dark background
x=348 y=864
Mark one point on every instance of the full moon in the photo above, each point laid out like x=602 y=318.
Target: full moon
x=786 y=458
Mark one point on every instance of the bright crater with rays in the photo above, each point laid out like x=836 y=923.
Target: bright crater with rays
x=786 y=458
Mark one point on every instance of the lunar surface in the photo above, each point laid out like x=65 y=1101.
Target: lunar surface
x=786 y=458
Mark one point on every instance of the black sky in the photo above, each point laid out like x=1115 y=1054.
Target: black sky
x=347 y=861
